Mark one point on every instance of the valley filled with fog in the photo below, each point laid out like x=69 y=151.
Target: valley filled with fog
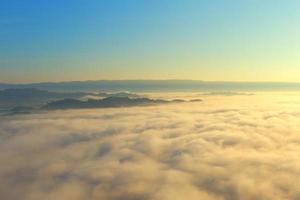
x=228 y=146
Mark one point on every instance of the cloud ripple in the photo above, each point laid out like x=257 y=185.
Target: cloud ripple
x=213 y=150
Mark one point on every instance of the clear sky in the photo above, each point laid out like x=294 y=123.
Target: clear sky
x=226 y=40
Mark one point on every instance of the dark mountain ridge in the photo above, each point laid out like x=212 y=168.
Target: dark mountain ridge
x=108 y=102
x=156 y=85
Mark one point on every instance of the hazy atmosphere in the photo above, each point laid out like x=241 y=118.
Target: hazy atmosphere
x=149 y=100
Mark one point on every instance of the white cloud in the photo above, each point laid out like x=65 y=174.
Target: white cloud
x=237 y=147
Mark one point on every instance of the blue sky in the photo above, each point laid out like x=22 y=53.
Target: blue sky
x=238 y=40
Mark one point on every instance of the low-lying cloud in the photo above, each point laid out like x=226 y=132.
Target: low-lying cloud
x=231 y=148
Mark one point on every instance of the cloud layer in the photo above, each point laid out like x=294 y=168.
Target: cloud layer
x=225 y=148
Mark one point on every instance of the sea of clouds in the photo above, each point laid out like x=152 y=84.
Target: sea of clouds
x=228 y=147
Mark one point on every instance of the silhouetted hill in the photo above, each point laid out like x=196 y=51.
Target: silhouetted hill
x=108 y=102
x=26 y=100
x=103 y=103
x=156 y=85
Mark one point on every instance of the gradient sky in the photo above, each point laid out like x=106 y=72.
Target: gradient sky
x=236 y=40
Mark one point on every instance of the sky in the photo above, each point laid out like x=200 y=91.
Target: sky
x=220 y=40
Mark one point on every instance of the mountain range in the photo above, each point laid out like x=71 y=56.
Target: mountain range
x=154 y=85
x=26 y=100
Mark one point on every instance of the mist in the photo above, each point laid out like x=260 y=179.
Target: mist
x=227 y=147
